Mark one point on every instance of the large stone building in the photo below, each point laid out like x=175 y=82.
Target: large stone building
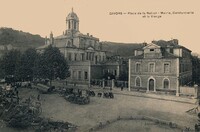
x=160 y=66
x=83 y=52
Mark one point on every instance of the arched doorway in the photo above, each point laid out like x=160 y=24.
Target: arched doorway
x=151 y=85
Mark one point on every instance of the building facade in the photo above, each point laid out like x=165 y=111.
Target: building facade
x=83 y=52
x=160 y=66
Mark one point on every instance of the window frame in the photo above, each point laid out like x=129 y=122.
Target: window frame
x=136 y=68
x=166 y=63
x=149 y=67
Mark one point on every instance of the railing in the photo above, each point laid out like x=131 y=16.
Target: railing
x=109 y=83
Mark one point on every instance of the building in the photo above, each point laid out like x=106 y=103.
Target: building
x=5 y=48
x=160 y=66
x=83 y=51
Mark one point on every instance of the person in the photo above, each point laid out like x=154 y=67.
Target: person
x=122 y=88
x=17 y=93
x=38 y=97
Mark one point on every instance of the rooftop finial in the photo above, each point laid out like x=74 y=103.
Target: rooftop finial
x=72 y=9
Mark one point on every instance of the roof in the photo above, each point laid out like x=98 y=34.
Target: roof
x=121 y=49
x=60 y=37
x=151 y=45
x=165 y=55
x=171 y=43
x=72 y=15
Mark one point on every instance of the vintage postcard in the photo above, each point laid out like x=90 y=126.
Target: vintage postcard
x=99 y=65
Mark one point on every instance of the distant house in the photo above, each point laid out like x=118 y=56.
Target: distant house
x=161 y=65
x=5 y=48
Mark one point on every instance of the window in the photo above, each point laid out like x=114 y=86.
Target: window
x=151 y=49
x=68 y=24
x=79 y=75
x=151 y=67
x=86 y=76
x=69 y=56
x=75 y=57
x=73 y=74
x=115 y=73
x=104 y=71
x=166 y=83
x=69 y=44
x=137 y=82
x=82 y=56
x=92 y=56
x=87 y=56
x=137 y=67
x=74 y=25
x=171 y=50
x=166 y=68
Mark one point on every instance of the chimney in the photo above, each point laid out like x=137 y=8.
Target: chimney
x=174 y=41
x=144 y=44
x=88 y=34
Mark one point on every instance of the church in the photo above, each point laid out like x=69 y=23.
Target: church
x=83 y=52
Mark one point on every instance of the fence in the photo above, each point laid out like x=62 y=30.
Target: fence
x=193 y=91
x=109 y=83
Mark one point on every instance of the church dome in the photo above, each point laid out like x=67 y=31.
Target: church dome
x=72 y=16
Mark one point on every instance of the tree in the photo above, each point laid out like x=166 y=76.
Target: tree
x=27 y=63
x=10 y=62
x=123 y=76
x=108 y=76
x=52 y=64
x=196 y=70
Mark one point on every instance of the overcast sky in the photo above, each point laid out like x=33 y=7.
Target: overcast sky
x=42 y=16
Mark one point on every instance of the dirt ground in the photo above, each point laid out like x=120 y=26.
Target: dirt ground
x=102 y=109
x=136 y=126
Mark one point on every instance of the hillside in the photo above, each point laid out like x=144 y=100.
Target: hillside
x=122 y=49
x=19 y=39
x=11 y=38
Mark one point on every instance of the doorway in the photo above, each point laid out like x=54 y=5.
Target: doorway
x=151 y=85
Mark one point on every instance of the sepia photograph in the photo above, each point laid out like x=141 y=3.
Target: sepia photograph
x=99 y=66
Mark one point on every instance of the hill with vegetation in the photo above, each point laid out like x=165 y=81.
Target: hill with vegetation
x=19 y=39
x=14 y=39
x=122 y=49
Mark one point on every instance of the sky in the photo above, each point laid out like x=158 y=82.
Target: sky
x=98 y=17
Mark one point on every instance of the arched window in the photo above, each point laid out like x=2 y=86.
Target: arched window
x=74 y=25
x=69 y=26
x=166 y=83
x=137 y=82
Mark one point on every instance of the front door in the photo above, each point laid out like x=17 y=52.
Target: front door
x=151 y=85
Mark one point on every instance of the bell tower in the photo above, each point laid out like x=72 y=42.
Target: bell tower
x=72 y=23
